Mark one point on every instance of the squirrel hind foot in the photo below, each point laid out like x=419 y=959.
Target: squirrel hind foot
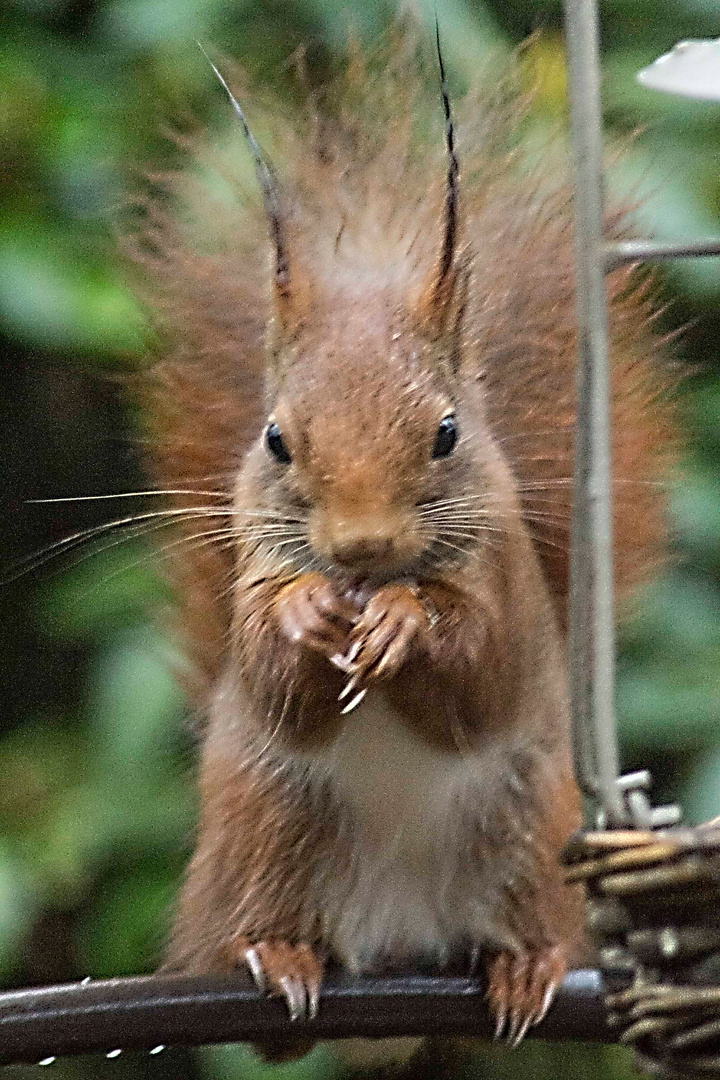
x=281 y=969
x=521 y=988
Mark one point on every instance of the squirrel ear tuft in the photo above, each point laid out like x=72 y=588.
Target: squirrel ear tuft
x=440 y=297
x=285 y=316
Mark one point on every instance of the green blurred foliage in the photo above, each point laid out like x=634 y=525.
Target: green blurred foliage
x=96 y=797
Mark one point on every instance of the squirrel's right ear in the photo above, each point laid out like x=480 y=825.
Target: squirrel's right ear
x=285 y=314
x=442 y=300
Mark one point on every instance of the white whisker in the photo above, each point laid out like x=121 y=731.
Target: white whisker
x=129 y=495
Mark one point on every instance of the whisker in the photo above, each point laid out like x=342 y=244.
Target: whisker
x=464 y=552
x=545 y=485
x=475 y=536
x=523 y=515
x=134 y=525
x=441 y=504
x=128 y=495
x=163 y=551
x=69 y=543
x=480 y=522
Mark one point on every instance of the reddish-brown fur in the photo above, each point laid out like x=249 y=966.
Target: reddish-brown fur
x=463 y=652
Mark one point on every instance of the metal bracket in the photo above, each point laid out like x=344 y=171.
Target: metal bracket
x=633 y=789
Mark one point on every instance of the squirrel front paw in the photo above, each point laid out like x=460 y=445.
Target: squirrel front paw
x=281 y=969
x=385 y=635
x=310 y=612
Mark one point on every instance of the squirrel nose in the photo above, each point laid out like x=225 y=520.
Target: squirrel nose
x=351 y=550
x=356 y=539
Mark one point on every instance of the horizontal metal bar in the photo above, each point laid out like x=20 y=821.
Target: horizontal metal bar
x=145 y=1013
x=637 y=250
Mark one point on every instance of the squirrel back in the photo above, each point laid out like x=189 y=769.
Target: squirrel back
x=362 y=179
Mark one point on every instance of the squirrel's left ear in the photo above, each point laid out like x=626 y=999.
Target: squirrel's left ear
x=443 y=297
x=287 y=303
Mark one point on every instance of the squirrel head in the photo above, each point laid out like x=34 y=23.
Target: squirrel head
x=364 y=433
x=374 y=445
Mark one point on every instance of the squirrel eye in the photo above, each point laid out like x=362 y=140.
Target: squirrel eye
x=275 y=444
x=446 y=437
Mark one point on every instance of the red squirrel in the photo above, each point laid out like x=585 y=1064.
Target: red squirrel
x=363 y=421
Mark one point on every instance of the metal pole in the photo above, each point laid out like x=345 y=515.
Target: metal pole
x=592 y=637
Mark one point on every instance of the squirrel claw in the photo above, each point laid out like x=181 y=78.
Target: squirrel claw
x=550 y=992
x=500 y=1020
x=354 y=702
x=349 y=686
x=256 y=969
x=313 y=998
x=386 y=633
x=518 y=1029
x=310 y=613
x=295 y=996
x=522 y=986
x=289 y=971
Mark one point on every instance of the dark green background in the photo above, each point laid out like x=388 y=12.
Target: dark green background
x=96 y=803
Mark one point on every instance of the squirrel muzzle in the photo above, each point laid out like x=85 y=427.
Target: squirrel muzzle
x=377 y=541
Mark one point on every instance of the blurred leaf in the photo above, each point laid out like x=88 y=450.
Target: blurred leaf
x=679 y=615
x=696 y=513
x=155 y=22
x=17 y=906
x=125 y=932
x=241 y=1063
x=701 y=793
x=39 y=761
x=662 y=175
x=49 y=297
x=135 y=705
x=671 y=704
x=674 y=113
x=535 y=1059
x=104 y=589
x=545 y=73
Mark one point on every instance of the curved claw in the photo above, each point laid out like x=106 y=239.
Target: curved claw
x=295 y=996
x=253 y=961
x=521 y=987
x=313 y=998
x=500 y=1021
x=290 y=971
x=550 y=992
x=385 y=635
x=518 y=1029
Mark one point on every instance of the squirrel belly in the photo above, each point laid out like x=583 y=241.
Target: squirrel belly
x=420 y=884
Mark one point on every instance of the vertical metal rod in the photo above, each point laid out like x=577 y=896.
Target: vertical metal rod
x=592 y=637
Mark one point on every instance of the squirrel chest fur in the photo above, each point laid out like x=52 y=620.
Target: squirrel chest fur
x=371 y=458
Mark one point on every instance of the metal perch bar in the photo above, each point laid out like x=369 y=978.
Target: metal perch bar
x=145 y=1013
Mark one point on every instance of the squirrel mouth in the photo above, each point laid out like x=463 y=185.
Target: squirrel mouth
x=358 y=587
